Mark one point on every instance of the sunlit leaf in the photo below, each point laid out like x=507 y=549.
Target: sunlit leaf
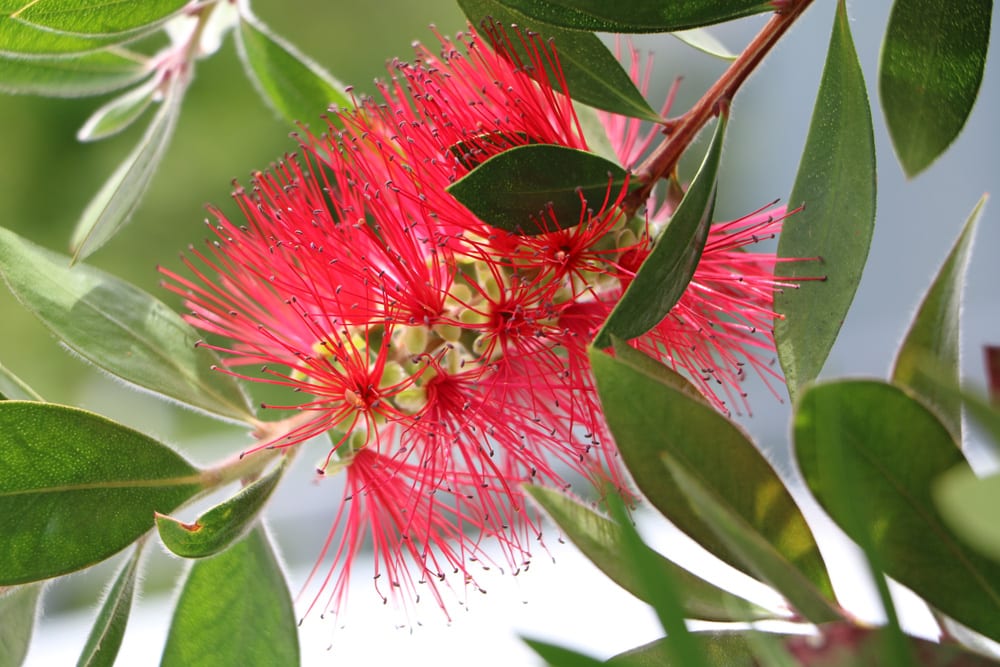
x=758 y=554
x=78 y=488
x=220 y=526
x=593 y=75
x=706 y=443
x=234 y=609
x=968 y=504
x=88 y=74
x=96 y=17
x=294 y=85
x=891 y=450
x=934 y=335
x=118 y=113
x=631 y=16
x=18 y=609
x=119 y=328
x=836 y=184
x=109 y=628
x=931 y=67
x=602 y=541
x=666 y=272
x=517 y=189
x=120 y=195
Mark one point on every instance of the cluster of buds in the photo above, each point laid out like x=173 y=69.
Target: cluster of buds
x=448 y=358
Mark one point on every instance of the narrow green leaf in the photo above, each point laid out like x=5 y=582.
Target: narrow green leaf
x=560 y=656
x=636 y=16
x=14 y=387
x=234 y=609
x=665 y=598
x=706 y=443
x=120 y=195
x=97 y=17
x=705 y=42
x=118 y=113
x=931 y=67
x=119 y=328
x=220 y=526
x=515 y=190
x=968 y=504
x=88 y=74
x=836 y=184
x=18 y=609
x=593 y=74
x=109 y=628
x=759 y=555
x=78 y=488
x=666 y=272
x=294 y=85
x=603 y=542
x=893 y=449
x=935 y=333
x=727 y=647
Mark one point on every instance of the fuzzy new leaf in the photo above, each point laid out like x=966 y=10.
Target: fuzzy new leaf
x=119 y=328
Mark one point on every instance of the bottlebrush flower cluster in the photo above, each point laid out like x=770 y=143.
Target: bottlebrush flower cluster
x=448 y=358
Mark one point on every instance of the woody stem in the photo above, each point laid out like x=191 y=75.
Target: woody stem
x=683 y=130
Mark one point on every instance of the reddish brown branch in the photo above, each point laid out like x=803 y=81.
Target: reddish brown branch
x=683 y=130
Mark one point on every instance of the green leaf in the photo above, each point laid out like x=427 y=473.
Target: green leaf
x=220 y=526
x=593 y=75
x=234 y=609
x=294 y=85
x=968 y=505
x=18 y=609
x=666 y=272
x=636 y=16
x=758 y=554
x=643 y=362
x=118 y=113
x=836 y=184
x=97 y=17
x=727 y=647
x=892 y=449
x=931 y=67
x=935 y=333
x=560 y=656
x=78 y=488
x=706 y=443
x=604 y=543
x=665 y=598
x=514 y=190
x=705 y=42
x=119 y=328
x=106 y=636
x=19 y=40
x=120 y=195
x=88 y=74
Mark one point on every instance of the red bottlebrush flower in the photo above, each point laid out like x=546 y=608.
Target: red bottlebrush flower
x=448 y=358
